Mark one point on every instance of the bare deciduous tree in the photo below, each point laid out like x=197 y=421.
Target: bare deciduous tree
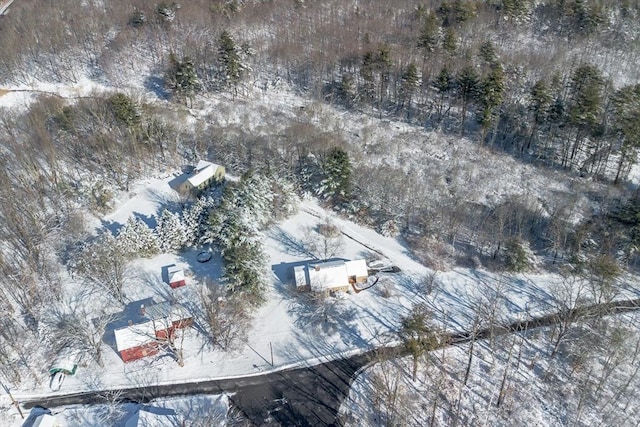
x=76 y=327
x=324 y=241
x=225 y=318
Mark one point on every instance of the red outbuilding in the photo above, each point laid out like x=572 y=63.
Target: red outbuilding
x=176 y=277
x=158 y=324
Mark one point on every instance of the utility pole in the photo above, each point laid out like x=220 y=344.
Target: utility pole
x=271 y=348
x=13 y=401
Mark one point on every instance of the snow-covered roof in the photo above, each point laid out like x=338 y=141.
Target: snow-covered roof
x=152 y=417
x=204 y=171
x=176 y=274
x=357 y=267
x=134 y=335
x=166 y=310
x=44 y=420
x=301 y=276
x=328 y=275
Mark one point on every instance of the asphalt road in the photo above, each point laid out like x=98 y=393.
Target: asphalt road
x=312 y=396
x=298 y=397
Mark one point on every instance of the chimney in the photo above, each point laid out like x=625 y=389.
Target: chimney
x=142 y=312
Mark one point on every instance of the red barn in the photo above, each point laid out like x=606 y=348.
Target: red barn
x=159 y=322
x=167 y=317
x=176 y=277
x=136 y=341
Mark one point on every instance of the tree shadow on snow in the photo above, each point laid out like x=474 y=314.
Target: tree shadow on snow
x=155 y=83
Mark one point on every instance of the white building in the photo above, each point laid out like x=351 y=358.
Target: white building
x=204 y=174
x=331 y=276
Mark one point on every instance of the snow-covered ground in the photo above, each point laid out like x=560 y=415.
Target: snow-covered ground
x=285 y=323
x=513 y=381
x=200 y=410
x=296 y=333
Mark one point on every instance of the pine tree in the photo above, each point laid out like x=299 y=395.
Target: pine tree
x=135 y=238
x=171 y=232
x=182 y=78
x=488 y=53
x=429 y=34
x=236 y=226
x=490 y=96
x=231 y=64
x=336 y=185
x=383 y=66
x=587 y=84
x=467 y=84
x=410 y=82
x=124 y=109
x=540 y=105
x=627 y=121
x=443 y=83
x=450 y=41
x=366 y=72
x=195 y=219
x=347 y=89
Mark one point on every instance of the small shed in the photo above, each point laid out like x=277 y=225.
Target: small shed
x=176 y=277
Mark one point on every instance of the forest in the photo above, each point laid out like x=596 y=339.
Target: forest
x=548 y=85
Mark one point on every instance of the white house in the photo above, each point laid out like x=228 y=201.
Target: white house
x=204 y=174
x=331 y=276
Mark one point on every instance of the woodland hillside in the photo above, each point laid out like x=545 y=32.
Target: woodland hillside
x=491 y=134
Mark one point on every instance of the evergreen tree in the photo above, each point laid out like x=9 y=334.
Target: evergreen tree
x=383 y=66
x=366 y=73
x=410 y=82
x=443 y=83
x=490 y=96
x=182 y=78
x=347 y=89
x=171 y=232
x=236 y=227
x=135 y=238
x=467 y=84
x=455 y=12
x=124 y=109
x=418 y=335
x=429 y=34
x=627 y=120
x=230 y=61
x=587 y=84
x=488 y=53
x=336 y=185
x=540 y=105
x=195 y=219
x=450 y=41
